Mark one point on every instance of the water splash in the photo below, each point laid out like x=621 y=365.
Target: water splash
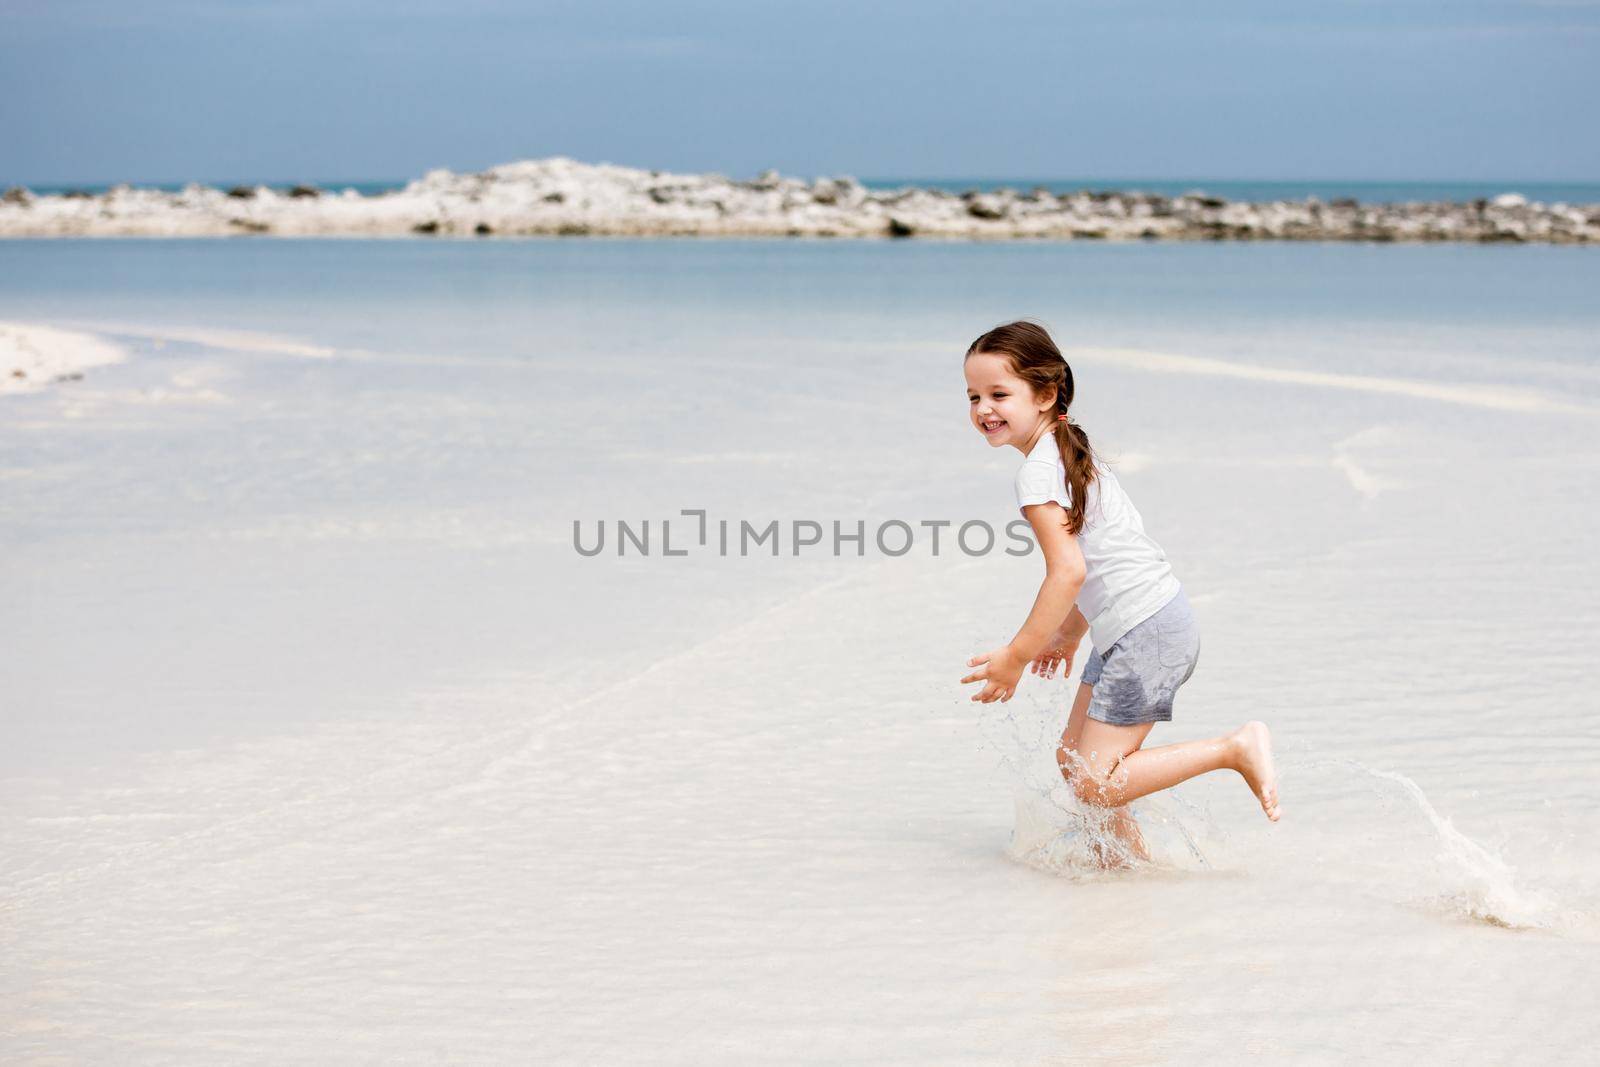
x=1477 y=884
x=1057 y=833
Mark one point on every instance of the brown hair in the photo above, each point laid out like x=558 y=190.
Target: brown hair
x=1036 y=360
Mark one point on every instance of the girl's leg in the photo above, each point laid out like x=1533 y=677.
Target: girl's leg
x=1126 y=827
x=1079 y=716
x=1117 y=770
x=1121 y=823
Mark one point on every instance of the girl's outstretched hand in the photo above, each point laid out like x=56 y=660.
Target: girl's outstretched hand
x=1001 y=669
x=1055 y=657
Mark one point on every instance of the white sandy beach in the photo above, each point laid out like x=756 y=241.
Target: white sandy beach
x=319 y=742
x=34 y=356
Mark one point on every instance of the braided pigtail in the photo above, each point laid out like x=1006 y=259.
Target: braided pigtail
x=1077 y=455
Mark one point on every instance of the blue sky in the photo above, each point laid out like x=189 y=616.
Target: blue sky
x=158 y=90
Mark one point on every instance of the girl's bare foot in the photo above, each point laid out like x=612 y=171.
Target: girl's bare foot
x=1253 y=742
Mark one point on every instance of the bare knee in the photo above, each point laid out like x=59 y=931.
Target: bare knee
x=1095 y=790
x=1068 y=760
x=1092 y=785
x=1089 y=784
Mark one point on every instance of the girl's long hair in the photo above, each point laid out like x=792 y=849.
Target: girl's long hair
x=1036 y=360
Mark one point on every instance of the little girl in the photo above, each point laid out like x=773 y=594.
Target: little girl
x=1104 y=576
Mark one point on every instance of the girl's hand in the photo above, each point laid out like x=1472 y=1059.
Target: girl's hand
x=1057 y=656
x=1002 y=670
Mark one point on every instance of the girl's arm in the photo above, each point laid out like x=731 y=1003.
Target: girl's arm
x=1063 y=646
x=1056 y=604
x=1063 y=578
x=1071 y=632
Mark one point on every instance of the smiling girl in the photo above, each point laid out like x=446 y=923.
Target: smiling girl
x=1104 y=576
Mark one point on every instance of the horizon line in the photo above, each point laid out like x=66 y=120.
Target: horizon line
x=882 y=179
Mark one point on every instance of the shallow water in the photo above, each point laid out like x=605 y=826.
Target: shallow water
x=319 y=738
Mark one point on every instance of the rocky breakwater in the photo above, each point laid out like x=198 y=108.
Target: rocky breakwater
x=560 y=196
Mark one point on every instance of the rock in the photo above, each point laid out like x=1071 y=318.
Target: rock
x=1510 y=200
x=431 y=226
x=843 y=192
x=825 y=191
x=556 y=198
x=483 y=229
x=242 y=192
x=17 y=195
x=987 y=207
x=302 y=192
x=767 y=180
x=899 y=228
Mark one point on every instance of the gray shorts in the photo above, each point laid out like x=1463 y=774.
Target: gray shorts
x=1136 y=679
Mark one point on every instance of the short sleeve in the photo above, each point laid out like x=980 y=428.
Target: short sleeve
x=1038 y=482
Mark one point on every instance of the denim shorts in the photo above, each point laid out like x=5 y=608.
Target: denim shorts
x=1136 y=679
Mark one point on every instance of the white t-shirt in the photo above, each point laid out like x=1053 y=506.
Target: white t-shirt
x=1128 y=578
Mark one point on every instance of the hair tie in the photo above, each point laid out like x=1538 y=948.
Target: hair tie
x=1063 y=418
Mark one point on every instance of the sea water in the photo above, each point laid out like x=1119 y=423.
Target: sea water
x=320 y=740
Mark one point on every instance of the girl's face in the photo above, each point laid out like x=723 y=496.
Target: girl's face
x=1002 y=406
